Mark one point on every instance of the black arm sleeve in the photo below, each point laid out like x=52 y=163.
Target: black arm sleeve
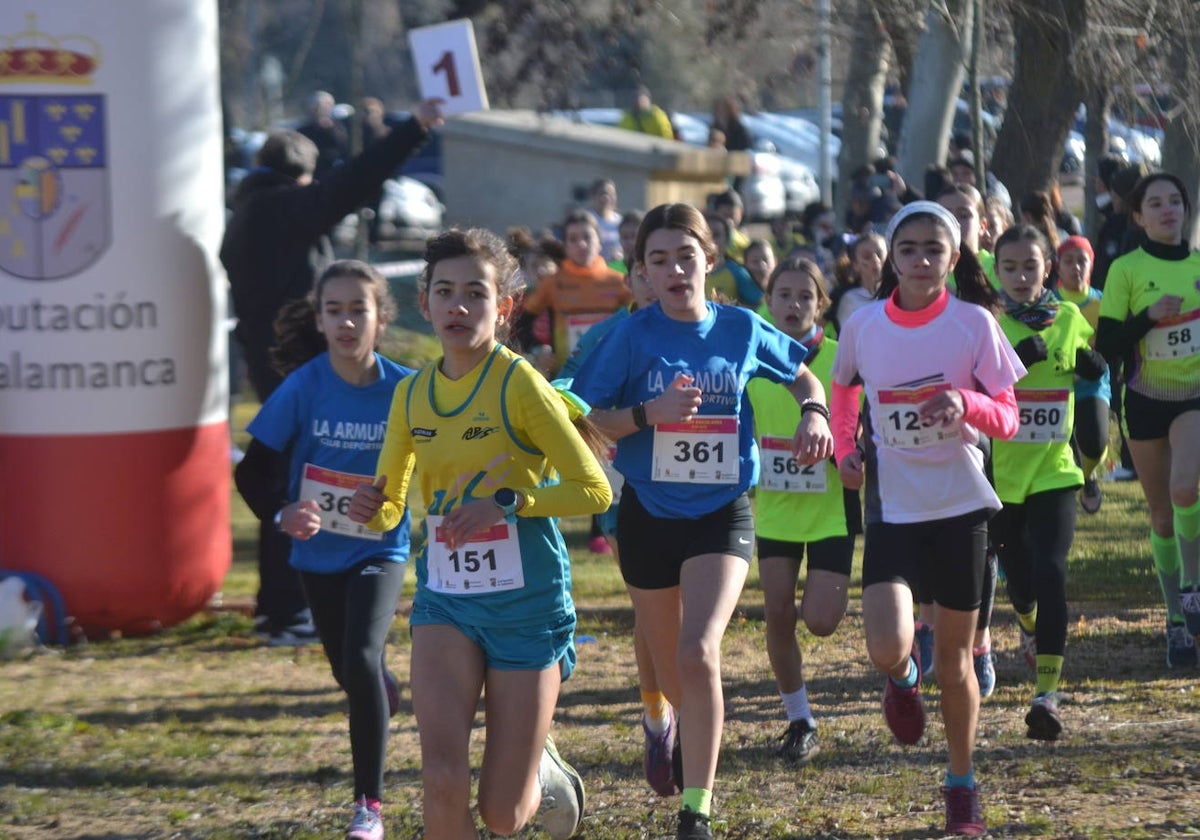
x=320 y=205
x=1115 y=339
x=261 y=478
x=1089 y=364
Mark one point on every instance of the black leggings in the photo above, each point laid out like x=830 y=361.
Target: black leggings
x=1033 y=540
x=353 y=611
x=1091 y=427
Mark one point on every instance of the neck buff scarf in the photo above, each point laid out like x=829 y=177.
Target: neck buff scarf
x=1037 y=314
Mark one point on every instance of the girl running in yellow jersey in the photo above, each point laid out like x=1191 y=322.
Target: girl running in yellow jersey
x=498 y=459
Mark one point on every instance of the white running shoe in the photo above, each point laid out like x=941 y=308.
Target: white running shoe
x=561 y=810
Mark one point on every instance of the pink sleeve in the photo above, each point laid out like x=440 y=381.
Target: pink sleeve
x=843 y=408
x=994 y=416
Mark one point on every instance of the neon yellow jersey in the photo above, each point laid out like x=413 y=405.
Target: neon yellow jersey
x=1166 y=360
x=795 y=514
x=1039 y=456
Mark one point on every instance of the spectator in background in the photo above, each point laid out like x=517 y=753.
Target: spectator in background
x=374 y=128
x=647 y=117
x=1108 y=166
x=728 y=204
x=585 y=290
x=728 y=281
x=1118 y=234
x=329 y=135
x=627 y=233
x=1065 y=219
x=539 y=260
x=859 y=210
x=999 y=219
x=727 y=118
x=937 y=178
x=895 y=191
x=608 y=220
x=1038 y=210
x=275 y=243
x=962 y=168
x=820 y=236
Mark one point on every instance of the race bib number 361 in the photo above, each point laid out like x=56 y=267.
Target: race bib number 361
x=332 y=491
x=702 y=451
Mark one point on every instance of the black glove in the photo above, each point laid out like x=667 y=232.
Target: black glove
x=1089 y=364
x=1032 y=350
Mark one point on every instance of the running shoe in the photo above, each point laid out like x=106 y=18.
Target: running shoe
x=924 y=639
x=599 y=545
x=1028 y=648
x=904 y=711
x=1189 y=602
x=799 y=743
x=659 y=757
x=561 y=810
x=1181 y=647
x=985 y=670
x=677 y=759
x=963 y=815
x=366 y=824
x=301 y=634
x=1091 y=497
x=693 y=826
x=1042 y=719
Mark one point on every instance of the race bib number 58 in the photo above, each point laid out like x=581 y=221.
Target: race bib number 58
x=1174 y=338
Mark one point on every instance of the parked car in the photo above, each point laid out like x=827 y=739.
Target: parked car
x=1070 y=171
x=793 y=137
x=763 y=191
x=408 y=210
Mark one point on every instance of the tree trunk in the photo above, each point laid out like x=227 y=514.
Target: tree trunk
x=1181 y=143
x=1045 y=93
x=1095 y=137
x=862 y=97
x=933 y=88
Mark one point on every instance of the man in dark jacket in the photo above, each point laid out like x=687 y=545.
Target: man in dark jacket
x=276 y=242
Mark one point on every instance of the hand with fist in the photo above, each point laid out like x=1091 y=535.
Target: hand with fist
x=300 y=520
x=367 y=500
x=679 y=403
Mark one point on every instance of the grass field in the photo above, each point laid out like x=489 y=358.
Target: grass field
x=203 y=732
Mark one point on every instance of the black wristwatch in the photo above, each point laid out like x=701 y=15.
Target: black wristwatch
x=506 y=499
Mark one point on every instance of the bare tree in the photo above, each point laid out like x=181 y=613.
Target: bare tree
x=933 y=88
x=1045 y=93
x=862 y=99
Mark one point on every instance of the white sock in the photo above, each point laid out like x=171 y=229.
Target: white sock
x=795 y=704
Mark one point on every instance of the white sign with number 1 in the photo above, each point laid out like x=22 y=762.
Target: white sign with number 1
x=447 y=65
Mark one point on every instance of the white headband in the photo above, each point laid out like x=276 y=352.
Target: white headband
x=931 y=208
